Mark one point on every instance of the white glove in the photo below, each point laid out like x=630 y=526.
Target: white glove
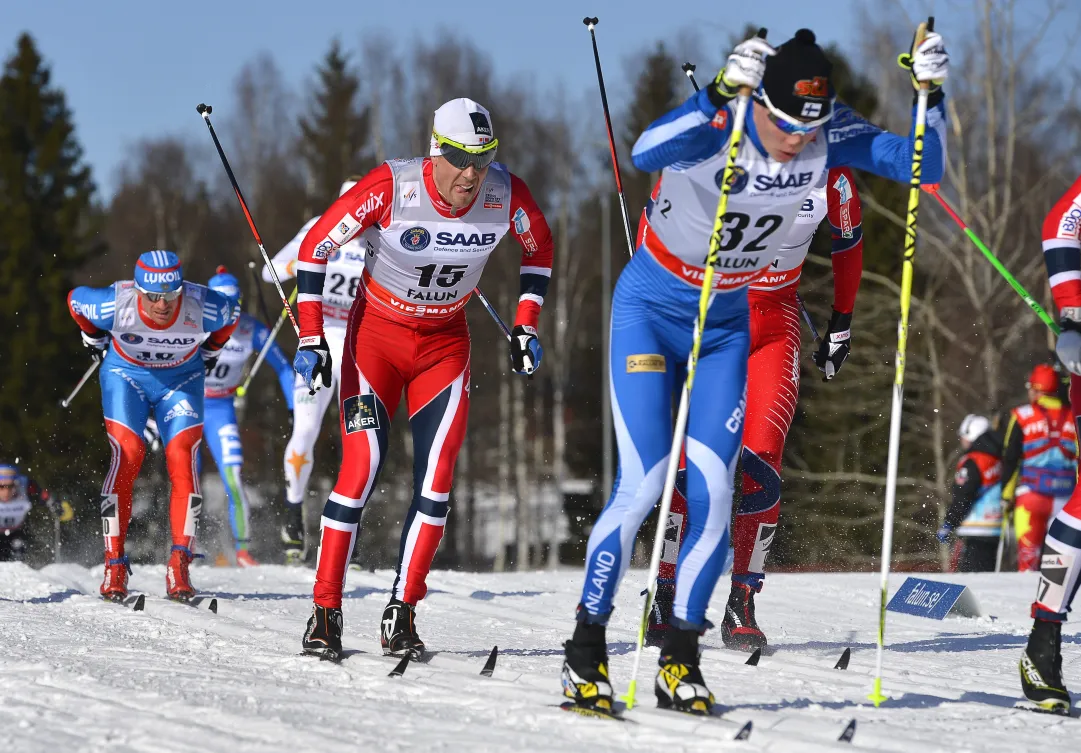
x=745 y=67
x=1068 y=349
x=931 y=62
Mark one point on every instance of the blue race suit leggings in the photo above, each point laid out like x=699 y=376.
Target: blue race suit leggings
x=223 y=439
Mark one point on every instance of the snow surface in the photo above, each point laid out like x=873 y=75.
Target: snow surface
x=78 y=674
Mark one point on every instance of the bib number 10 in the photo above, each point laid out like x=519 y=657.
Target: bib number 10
x=448 y=275
x=736 y=229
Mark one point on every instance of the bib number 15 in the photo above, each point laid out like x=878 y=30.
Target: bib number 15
x=447 y=276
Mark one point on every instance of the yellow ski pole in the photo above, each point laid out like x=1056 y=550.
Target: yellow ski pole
x=902 y=342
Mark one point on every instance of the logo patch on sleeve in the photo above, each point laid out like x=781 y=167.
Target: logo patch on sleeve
x=646 y=363
x=360 y=413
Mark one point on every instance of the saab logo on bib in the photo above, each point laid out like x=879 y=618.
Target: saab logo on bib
x=769 y=183
x=130 y=338
x=461 y=239
x=736 y=183
x=360 y=413
x=416 y=239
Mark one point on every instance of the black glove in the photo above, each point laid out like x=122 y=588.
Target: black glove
x=525 y=350
x=97 y=343
x=313 y=363
x=835 y=346
x=210 y=359
x=1068 y=345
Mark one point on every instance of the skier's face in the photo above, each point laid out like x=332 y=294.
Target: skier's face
x=7 y=490
x=457 y=187
x=779 y=145
x=160 y=311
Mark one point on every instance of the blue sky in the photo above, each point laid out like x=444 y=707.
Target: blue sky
x=134 y=70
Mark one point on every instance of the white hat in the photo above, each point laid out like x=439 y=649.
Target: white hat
x=464 y=121
x=346 y=186
x=973 y=427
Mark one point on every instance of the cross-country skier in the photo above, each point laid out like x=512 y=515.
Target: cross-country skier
x=18 y=494
x=794 y=134
x=430 y=225
x=975 y=511
x=160 y=336
x=772 y=391
x=1039 y=463
x=343 y=269
x=220 y=425
x=1060 y=565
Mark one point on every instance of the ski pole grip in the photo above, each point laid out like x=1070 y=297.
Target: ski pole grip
x=591 y=21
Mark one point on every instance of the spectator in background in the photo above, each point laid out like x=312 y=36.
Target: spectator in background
x=975 y=511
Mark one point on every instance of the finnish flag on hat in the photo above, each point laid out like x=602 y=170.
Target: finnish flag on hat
x=158 y=272
x=464 y=121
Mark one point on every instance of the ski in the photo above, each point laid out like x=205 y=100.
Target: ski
x=849 y=732
x=489 y=666
x=752 y=660
x=593 y=713
x=400 y=667
x=842 y=663
x=133 y=602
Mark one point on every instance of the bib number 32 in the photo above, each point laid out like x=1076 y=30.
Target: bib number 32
x=736 y=227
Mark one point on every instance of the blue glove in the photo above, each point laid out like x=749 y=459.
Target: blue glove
x=525 y=350
x=312 y=362
x=943 y=532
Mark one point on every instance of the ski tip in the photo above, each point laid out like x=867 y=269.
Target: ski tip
x=849 y=732
x=744 y=731
x=139 y=604
x=752 y=660
x=400 y=667
x=842 y=663
x=489 y=666
x=213 y=606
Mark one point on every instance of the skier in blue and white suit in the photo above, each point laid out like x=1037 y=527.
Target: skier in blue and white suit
x=220 y=427
x=794 y=132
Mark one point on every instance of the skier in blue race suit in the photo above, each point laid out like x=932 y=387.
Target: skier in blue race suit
x=793 y=133
x=162 y=335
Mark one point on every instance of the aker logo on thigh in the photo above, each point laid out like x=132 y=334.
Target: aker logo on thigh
x=360 y=413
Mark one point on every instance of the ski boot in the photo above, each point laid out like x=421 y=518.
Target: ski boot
x=114 y=586
x=398 y=633
x=1041 y=669
x=177 y=581
x=292 y=534
x=679 y=680
x=585 y=669
x=244 y=558
x=738 y=628
x=660 y=613
x=323 y=636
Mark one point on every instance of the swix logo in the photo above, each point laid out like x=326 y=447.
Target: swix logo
x=812 y=87
x=768 y=183
x=370 y=204
x=182 y=409
x=461 y=239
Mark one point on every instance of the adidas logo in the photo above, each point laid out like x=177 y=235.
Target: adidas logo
x=181 y=409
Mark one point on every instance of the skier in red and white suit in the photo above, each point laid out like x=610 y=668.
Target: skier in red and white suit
x=772 y=391
x=429 y=225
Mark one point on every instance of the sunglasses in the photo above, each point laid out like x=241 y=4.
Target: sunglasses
x=786 y=123
x=7 y=486
x=462 y=156
x=155 y=297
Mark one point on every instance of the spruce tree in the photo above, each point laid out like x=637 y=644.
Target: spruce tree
x=48 y=230
x=335 y=135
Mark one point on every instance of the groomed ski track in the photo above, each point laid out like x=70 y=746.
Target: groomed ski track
x=78 y=674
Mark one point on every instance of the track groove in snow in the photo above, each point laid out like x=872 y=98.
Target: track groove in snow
x=78 y=674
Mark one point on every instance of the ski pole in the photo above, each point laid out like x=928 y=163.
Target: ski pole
x=204 y=111
x=259 y=291
x=1032 y=304
x=1002 y=534
x=491 y=310
x=86 y=377
x=242 y=390
x=591 y=24
x=689 y=69
x=902 y=344
x=704 y=299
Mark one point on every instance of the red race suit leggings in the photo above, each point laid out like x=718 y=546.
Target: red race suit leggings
x=772 y=392
x=384 y=355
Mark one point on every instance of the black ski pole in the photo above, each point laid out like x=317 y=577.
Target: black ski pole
x=259 y=292
x=591 y=24
x=204 y=111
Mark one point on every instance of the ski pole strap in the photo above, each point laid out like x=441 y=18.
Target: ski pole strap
x=1018 y=288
